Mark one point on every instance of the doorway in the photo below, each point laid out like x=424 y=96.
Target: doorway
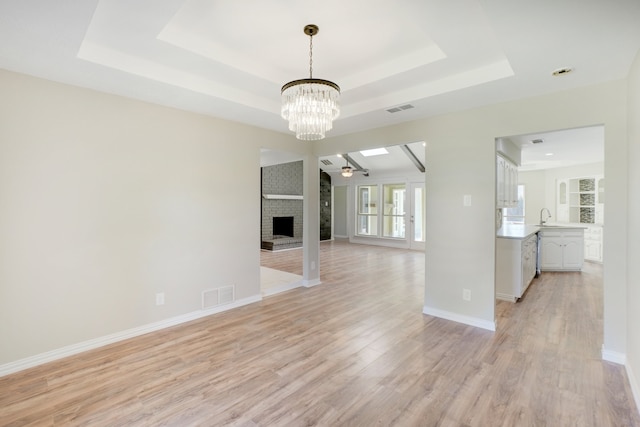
x=281 y=220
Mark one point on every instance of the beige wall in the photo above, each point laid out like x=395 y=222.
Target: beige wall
x=633 y=254
x=106 y=201
x=460 y=157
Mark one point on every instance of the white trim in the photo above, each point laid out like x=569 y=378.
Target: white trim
x=448 y=315
x=283 y=196
x=311 y=283
x=506 y=297
x=635 y=388
x=70 y=350
x=388 y=242
x=613 y=356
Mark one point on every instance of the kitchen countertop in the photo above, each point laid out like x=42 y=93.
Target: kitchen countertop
x=522 y=231
x=517 y=231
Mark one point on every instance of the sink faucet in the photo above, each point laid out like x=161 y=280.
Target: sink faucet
x=548 y=215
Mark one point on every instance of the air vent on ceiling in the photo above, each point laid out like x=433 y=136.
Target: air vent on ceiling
x=400 y=108
x=326 y=162
x=562 y=71
x=537 y=141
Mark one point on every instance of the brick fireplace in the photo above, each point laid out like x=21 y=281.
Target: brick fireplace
x=282 y=198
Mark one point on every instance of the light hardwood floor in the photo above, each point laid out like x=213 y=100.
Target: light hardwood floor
x=354 y=351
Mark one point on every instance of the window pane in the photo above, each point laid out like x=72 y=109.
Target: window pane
x=516 y=215
x=394 y=195
x=393 y=226
x=367 y=218
x=367 y=199
x=367 y=225
x=418 y=217
x=393 y=218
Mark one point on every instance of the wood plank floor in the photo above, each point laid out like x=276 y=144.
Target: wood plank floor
x=354 y=351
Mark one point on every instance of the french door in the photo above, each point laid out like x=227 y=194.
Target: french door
x=417 y=219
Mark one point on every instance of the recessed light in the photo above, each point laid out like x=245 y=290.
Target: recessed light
x=374 y=152
x=548 y=154
x=339 y=155
x=562 y=71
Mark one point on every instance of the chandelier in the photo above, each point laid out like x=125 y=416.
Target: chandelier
x=310 y=105
x=347 y=171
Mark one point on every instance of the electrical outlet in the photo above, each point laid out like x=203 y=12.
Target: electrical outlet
x=466 y=294
x=466 y=200
x=160 y=298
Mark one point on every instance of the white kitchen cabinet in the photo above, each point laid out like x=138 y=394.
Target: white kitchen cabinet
x=593 y=243
x=515 y=266
x=561 y=249
x=506 y=183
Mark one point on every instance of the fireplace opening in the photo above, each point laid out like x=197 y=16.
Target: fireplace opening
x=282 y=226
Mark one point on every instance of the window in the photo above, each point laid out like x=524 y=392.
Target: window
x=389 y=221
x=367 y=215
x=393 y=215
x=516 y=215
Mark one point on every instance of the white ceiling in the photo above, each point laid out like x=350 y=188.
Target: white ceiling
x=561 y=148
x=229 y=58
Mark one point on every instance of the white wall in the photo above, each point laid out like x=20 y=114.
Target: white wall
x=535 y=191
x=106 y=201
x=633 y=254
x=460 y=157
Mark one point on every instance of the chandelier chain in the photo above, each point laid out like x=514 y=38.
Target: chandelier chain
x=311 y=56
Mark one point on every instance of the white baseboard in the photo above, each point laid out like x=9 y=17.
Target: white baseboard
x=70 y=350
x=505 y=297
x=613 y=356
x=311 y=283
x=621 y=359
x=472 y=321
x=635 y=387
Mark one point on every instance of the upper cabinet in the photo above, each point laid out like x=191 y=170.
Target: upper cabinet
x=581 y=200
x=507 y=161
x=506 y=183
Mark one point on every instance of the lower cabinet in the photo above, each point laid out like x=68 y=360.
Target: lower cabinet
x=561 y=250
x=593 y=243
x=515 y=266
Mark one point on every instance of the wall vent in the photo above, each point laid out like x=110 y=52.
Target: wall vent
x=226 y=294
x=400 y=108
x=218 y=296
x=326 y=162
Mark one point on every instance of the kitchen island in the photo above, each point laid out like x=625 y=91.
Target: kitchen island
x=516 y=260
x=522 y=251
